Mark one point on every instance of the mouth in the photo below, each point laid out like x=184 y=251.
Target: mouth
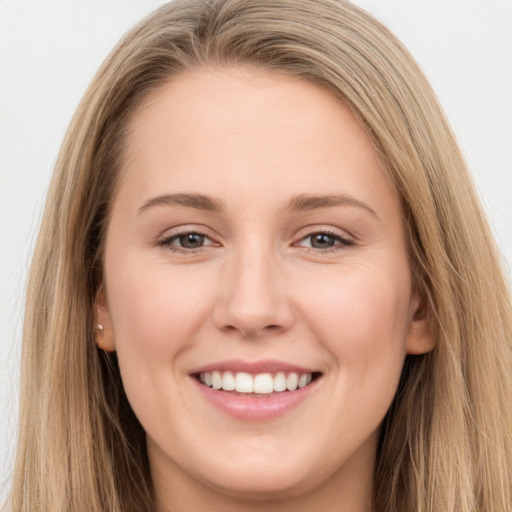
x=257 y=385
x=256 y=390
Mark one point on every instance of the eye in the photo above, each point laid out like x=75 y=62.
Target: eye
x=324 y=240
x=190 y=240
x=186 y=241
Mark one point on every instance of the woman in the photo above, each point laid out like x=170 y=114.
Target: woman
x=263 y=281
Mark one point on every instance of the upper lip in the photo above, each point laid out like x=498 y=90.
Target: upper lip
x=252 y=367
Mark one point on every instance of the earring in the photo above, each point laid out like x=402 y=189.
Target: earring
x=104 y=339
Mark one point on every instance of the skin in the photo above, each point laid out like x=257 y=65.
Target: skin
x=260 y=287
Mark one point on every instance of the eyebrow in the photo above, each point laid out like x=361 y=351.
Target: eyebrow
x=298 y=203
x=197 y=201
x=305 y=202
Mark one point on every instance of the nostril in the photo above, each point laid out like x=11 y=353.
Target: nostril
x=253 y=332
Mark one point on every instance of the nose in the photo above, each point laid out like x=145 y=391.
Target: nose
x=253 y=299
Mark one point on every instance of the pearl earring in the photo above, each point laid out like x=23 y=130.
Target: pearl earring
x=100 y=327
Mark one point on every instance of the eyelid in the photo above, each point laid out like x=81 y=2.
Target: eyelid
x=328 y=230
x=344 y=240
x=166 y=239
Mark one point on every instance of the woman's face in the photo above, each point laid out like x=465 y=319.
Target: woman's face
x=256 y=242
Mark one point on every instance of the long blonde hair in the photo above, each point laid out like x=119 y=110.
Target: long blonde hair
x=446 y=443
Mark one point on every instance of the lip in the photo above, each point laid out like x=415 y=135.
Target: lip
x=252 y=367
x=254 y=408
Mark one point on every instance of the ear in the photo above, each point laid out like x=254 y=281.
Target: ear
x=104 y=332
x=420 y=338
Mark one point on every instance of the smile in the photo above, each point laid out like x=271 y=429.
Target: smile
x=256 y=385
x=255 y=391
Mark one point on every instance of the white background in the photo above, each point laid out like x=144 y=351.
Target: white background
x=50 y=49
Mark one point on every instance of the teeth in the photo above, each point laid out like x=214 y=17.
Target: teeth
x=261 y=384
x=228 y=381
x=303 y=380
x=292 y=381
x=280 y=382
x=216 y=380
x=244 y=383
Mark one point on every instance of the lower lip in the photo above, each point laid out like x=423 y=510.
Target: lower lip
x=255 y=408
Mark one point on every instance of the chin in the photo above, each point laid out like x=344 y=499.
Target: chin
x=267 y=483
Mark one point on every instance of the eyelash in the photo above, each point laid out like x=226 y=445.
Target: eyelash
x=343 y=242
x=167 y=242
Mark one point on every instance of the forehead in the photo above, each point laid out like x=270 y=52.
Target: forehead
x=249 y=131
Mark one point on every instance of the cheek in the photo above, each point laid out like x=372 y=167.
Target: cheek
x=153 y=305
x=156 y=312
x=362 y=319
x=359 y=305
x=362 y=322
